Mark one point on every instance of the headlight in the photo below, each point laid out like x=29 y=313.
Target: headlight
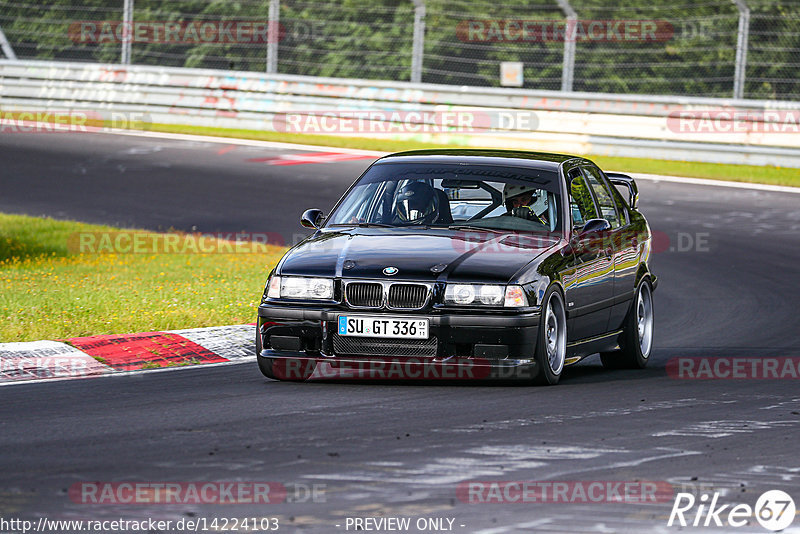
x=491 y=295
x=295 y=287
x=485 y=295
x=460 y=294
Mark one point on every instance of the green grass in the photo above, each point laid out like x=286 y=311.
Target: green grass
x=50 y=290
x=713 y=171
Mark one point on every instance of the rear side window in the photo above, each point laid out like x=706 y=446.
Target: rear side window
x=606 y=203
x=622 y=204
x=580 y=201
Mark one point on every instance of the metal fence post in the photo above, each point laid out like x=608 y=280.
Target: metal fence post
x=568 y=68
x=273 y=36
x=6 y=46
x=127 y=31
x=418 y=45
x=741 y=48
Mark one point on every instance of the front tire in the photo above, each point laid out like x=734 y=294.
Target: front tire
x=637 y=336
x=551 y=345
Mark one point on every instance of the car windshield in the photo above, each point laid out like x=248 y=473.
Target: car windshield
x=452 y=195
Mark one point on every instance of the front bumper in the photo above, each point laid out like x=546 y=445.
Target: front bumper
x=299 y=341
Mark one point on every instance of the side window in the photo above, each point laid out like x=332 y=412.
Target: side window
x=580 y=202
x=622 y=204
x=606 y=203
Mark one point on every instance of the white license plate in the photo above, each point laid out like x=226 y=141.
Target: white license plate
x=391 y=327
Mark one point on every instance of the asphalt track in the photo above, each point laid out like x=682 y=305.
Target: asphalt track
x=728 y=266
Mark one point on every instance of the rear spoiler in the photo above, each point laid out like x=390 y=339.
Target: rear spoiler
x=628 y=182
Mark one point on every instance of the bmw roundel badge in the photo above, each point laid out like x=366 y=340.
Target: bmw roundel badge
x=390 y=271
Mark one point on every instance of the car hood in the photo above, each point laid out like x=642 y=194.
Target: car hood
x=439 y=254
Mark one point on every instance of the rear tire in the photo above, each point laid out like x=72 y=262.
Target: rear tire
x=637 y=336
x=551 y=345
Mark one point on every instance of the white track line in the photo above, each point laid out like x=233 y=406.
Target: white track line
x=377 y=154
x=718 y=183
x=135 y=372
x=245 y=142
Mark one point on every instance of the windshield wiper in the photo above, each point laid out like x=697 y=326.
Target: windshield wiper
x=365 y=225
x=479 y=228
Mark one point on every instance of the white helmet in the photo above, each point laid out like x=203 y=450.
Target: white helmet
x=512 y=190
x=538 y=203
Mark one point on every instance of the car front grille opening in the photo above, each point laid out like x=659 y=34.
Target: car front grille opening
x=313 y=343
x=368 y=295
x=407 y=296
x=463 y=350
x=406 y=348
x=401 y=296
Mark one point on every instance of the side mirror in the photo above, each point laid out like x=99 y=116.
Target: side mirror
x=590 y=238
x=628 y=182
x=595 y=226
x=311 y=218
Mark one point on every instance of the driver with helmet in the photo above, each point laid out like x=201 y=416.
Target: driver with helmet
x=416 y=203
x=526 y=201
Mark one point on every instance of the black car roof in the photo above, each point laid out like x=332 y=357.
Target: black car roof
x=537 y=160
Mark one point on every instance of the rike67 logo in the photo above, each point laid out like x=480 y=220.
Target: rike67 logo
x=774 y=510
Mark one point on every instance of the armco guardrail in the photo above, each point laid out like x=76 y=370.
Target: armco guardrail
x=733 y=131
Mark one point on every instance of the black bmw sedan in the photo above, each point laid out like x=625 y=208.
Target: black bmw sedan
x=466 y=264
